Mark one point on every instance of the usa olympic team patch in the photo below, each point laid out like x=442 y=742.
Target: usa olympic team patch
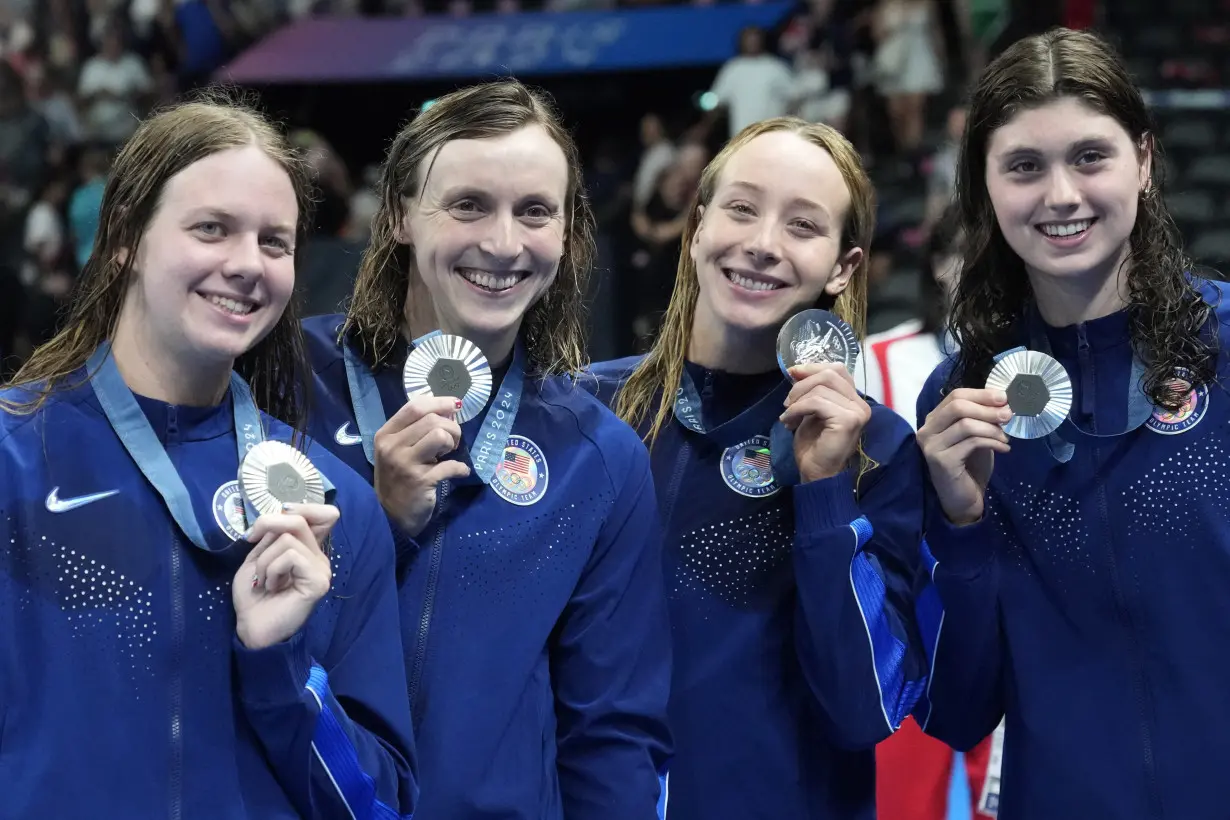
x=229 y=513
x=521 y=477
x=747 y=468
x=1170 y=423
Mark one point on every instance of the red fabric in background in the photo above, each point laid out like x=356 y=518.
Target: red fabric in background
x=1080 y=13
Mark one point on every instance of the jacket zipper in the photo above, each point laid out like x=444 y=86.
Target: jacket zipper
x=176 y=694
x=1140 y=683
x=433 y=577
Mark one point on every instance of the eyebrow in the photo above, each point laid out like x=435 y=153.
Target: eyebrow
x=222 y=215
x=798 y=200
x=1083 y=142
x=460 y=191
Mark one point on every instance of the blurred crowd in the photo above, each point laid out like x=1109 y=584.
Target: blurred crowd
x=884 y=72
x=76 y=76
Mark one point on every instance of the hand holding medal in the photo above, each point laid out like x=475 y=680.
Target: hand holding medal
x=286 y=573
x=448 y=382
x=1027 y=396
x=817 y=351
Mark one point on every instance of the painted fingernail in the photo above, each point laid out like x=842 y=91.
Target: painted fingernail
x=288 y=507
x=256 y=581
x=457 y=404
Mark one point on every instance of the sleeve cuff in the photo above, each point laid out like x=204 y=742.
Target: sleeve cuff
x=403 y=544
x=275 y=675
x=825 y=504
x=962 y=550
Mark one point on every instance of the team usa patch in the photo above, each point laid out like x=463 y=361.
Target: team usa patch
x=747 y=468
x=521 y=477
x=229 y=512
x=1171 y=423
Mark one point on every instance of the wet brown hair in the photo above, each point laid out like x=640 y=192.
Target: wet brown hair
x=214 y=120
x=388 y=282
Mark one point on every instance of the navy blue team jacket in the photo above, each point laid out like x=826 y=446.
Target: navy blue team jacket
x=124 y=691
x=1090 y=604
x=795 y=650
x=534 y=620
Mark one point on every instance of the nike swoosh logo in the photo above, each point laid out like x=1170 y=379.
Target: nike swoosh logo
x=346 y=438
x=58 y=505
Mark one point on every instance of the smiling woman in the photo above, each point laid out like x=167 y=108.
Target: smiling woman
x=791 y=567
x=1093 y=559
x=537 y=644
x=159 y=631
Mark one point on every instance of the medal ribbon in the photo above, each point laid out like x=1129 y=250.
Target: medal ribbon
x=744 y=426
x=139 y=439
x=487 y=450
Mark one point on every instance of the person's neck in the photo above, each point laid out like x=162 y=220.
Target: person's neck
x=718 y=346
x=148 y=370
x=1071 y=300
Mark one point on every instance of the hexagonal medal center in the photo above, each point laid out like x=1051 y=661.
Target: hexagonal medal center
x=1027 y=395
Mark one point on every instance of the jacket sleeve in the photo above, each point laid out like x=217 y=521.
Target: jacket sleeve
x=957 y=600
x=337 y=728
x=855 y=559
x=611 y=665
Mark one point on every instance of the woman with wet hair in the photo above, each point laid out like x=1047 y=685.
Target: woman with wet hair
x=793 y=504
x=1077 y=524
x=533 y=610
x=174 y=646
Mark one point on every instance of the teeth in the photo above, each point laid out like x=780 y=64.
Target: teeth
x=232 y=305
x=1067 y=228
x=490 y=281
x=750 y=284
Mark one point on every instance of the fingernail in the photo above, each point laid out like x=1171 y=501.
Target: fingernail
x=256 y=581
x=457 y=404
x=288 y=507
x=1005 y=414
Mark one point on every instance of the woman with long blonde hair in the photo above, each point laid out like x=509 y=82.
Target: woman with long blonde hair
x=792 y=505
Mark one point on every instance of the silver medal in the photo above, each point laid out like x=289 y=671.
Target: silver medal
x=815 y=336
x=1039 y=392
x=273 y=473
x=446 y=365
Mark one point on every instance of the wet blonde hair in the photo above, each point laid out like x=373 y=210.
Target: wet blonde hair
x=652 y=386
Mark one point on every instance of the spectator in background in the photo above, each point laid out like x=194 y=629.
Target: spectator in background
x=942 y=178
x=48 y=270
x=818 y=40
x=50 y=90
x=753 y=85
x=906 y=66
x=658 y=226
x=24 y=140
x=658 y=154
x=328 y=258
x=364 y=203
x=113 y=86
x=86 y=201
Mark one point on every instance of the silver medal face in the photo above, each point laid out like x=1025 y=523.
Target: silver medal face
x=273 y=473
x=449 y=366
x=815 y=336
x=1039 y=392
